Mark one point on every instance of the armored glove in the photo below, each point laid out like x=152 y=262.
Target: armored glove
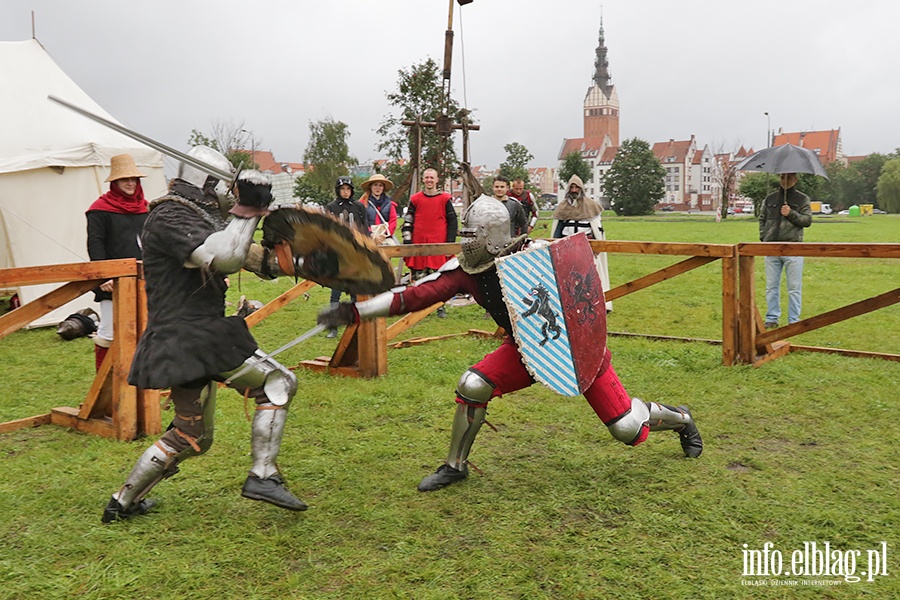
x=336 y=316
x=254 y=195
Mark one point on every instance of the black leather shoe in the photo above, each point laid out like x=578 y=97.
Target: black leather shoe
x=115 y=512
x=272 y=490
x=444 y=476
x=691 y=442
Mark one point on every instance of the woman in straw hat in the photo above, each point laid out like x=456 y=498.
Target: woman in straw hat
x=114 y=223
x=381 y=207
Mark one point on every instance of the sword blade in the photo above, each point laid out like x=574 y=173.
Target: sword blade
x=255 y=361
x=159 y=146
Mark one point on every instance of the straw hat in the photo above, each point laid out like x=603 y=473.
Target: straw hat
x=378 y=178
x=122 y=167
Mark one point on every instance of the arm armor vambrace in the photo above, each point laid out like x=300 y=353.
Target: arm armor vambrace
x=407 y=228
x=225 y=251
x=379 y=306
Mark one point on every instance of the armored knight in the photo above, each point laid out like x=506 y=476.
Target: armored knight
x=486 y=236
x=189 y=344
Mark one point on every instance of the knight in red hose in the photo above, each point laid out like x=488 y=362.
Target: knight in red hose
x=486 y=237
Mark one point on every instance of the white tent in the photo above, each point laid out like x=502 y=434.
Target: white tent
x=52 y=166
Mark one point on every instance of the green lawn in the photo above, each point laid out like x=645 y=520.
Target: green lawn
x=800 y=450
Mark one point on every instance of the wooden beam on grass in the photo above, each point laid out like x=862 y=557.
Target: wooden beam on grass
x=25 y=423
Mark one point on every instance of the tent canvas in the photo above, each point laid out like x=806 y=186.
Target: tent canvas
x=53 y=163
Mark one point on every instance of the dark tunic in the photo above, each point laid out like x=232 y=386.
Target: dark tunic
x=113 y=235
x=188 y=339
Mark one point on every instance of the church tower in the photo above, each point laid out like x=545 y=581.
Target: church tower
x=601 y=103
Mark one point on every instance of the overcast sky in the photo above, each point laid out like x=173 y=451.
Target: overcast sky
x=710 y=68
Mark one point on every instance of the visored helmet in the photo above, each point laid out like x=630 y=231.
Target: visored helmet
x=485 y=234
x=343 y=180
x=213 y=158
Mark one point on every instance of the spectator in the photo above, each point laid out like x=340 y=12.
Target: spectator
x=518 y=219
x=526 y=198
x=114 y=223
x=354 y=214
x=783 y=216
x=579 y=212
x=381 y=208
x=430 y=219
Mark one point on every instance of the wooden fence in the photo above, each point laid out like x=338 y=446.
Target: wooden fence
x=112 y=408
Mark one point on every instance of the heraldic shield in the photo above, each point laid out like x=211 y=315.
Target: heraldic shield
x=558 y=312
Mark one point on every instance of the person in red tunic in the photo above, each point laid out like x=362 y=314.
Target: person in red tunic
x=430 y=219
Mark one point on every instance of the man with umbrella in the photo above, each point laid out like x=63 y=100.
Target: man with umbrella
x=782 y=217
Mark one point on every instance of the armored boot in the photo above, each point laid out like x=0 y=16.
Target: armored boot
x=664 y=417
x=157 y=462
x=264 y=482
x=466 y=422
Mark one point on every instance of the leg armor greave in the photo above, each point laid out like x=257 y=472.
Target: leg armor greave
x=664 y=417
x=466 y=422
x=157 y=461
x=475 y=391
x=191 y=434
x=272 y=386
x=265 y=439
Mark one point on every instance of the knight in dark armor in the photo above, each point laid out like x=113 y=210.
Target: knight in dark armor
x=486 y=236
x=189 y=345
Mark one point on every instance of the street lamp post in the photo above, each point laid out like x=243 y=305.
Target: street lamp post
x=768 y=131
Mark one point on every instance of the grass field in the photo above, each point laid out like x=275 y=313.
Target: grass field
x=800 y=450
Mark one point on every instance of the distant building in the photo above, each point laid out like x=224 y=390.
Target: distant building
x=686 y=172
x=601 y=124
x=826 y=144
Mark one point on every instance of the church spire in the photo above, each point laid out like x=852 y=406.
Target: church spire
x=601 y=64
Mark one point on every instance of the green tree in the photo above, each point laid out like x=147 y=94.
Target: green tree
x=634 y=182
x=418 y=95
x=306 y=191
x=889 y=186
x=231 y=139
x=517 y=159
x=757 y=186
x=868 y=171
x=811 y=185
x=573 y=164
x=328 y=155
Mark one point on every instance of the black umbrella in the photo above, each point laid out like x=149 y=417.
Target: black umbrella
x=784 y=159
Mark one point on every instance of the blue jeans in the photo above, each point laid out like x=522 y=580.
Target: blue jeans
x=793 y=272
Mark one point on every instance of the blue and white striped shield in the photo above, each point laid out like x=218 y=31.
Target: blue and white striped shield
x=558 y=313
